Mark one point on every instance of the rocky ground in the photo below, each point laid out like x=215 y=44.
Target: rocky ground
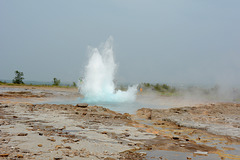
x=220 y=118
x=48 y=131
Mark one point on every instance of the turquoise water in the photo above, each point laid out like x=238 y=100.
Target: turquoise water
x=121 y=107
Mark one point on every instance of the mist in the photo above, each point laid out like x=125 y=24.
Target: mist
x=190 y=95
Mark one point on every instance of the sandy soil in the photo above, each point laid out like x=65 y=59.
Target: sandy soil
x=48 y=131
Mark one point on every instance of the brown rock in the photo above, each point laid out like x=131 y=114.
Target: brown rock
x=58 y=146
x=25 y=151
x=76 y=140
x=175 y=138
x=145 y=113
x=82 y=105
x=22 y=134
x=104 y=132
x=40 y=145
x=81 y=126
x=52 y=139
x=143 y=153
x=19 y=156
x=126 y=134
x=76 y=153
x=68 y=147
x=64 y=127
x=4 y=155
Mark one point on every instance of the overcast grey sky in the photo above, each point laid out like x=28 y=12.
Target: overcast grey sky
x=173 y=41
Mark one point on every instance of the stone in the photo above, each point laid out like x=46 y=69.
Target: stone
x=40 y=145
x=68 y=147
x=19 y=156
x=76 y=140
x=22 y=134
x=80 y=126
x=25 y=151
x=4 y=155
x=143 y=153
x=76 y=153
x=145 y=113
x=64 y=127
x=131 y=144
x=200 y=153
x=137 y=148
x=58 y=146
x=57 y=158
x=126 y=134
x=82 y=105
x=52 y=139
x=104 y=132
x=175 y=138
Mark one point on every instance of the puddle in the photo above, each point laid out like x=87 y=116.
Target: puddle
x=172 y=155
x=126 y=107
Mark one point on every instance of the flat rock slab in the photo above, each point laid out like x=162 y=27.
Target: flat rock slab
x=82 y=105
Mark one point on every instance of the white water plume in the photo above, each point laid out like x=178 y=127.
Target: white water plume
x=98 y=83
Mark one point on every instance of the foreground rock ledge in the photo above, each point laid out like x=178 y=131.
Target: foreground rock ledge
x=67 y=131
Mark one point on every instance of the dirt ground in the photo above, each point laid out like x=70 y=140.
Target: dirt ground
x=29 y=130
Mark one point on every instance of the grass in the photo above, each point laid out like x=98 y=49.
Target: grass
x=33 y=85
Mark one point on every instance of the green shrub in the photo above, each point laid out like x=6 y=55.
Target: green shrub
x=56 y=82
x=18 y=78
x=74 y=84
x=163 y=88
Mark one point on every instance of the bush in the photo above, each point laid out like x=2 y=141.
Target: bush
x=56 y=82
x=163 y=88
x=146 y=84
x=166 y=87
x=74 y=84
x=18 y=78
x=158 y=87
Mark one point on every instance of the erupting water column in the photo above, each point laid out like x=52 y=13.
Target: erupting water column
x=98 y=85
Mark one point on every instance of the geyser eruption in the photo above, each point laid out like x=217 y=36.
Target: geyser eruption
x=98 y=84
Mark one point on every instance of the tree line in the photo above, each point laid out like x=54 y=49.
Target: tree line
x=18 y=79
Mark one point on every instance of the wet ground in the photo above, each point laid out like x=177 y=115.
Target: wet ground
x=48 y=131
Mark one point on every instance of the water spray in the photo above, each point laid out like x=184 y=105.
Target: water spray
x=98 y=82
